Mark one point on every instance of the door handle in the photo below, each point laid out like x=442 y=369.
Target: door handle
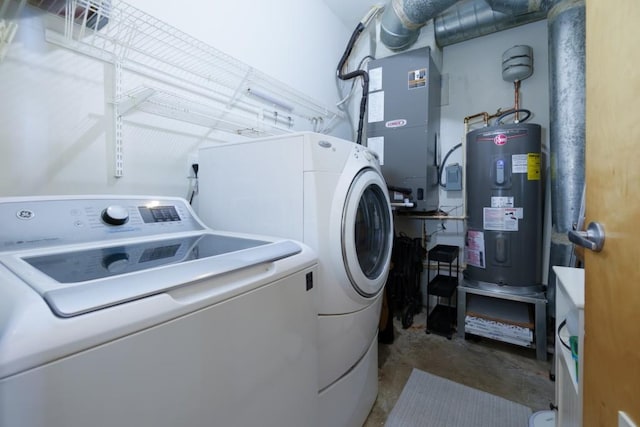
x=592 y=238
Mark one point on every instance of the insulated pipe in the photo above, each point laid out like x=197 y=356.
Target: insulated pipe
x=509 y=7
x=402 y=19
x=566 y=23
x=474 y=18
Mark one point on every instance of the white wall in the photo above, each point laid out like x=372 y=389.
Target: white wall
x=55 y=115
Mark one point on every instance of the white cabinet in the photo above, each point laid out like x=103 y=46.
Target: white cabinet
x=569 y=308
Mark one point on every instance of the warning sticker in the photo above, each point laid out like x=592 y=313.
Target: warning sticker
x=519 y=163
x=533 y=166
x=501 y=219
x=375 y=79
x=417 y=78
x=501 y=202
x=474 y=249
x=376 y=107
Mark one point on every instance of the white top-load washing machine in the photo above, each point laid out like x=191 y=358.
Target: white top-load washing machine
x=330 y=194
x=128 y=311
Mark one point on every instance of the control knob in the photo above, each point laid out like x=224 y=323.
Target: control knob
x=116 y=263
x=115 y=215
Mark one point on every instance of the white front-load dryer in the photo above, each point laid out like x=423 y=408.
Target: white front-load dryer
x=330 y=194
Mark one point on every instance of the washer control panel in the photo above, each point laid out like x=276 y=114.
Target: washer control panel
x=30 y=223
x=115 y=215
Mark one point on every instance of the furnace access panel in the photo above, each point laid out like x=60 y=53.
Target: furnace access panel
x=403 y=119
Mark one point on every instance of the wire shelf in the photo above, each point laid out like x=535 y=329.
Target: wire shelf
x=116 y=32
x=173 y=106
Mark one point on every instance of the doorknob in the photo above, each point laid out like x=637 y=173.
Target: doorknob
x=592 y=238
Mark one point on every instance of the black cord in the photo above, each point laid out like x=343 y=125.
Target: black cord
x=560 y=326
x=508 y=113
x=360 y=64
x=195 y=168
x=366 y=58
x=357 y=73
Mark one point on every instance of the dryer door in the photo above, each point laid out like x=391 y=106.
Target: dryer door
x=367 y=233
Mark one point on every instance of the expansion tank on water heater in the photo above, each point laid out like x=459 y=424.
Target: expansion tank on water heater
x=504 y=206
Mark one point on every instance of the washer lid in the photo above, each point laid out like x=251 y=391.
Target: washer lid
x=80 y=281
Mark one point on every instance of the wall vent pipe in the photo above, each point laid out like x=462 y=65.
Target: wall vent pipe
x=566 y=22
x=511 y=7
x=455 y=21
x=474 y=18
x=402 y=19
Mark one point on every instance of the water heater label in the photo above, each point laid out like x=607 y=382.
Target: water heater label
x=500 y=219
x=519 y=163
x=533 y=166
x=501 y=202
x=527 y=163
x=474 y=249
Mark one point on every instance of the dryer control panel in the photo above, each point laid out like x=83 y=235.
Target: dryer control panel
x=37 y=222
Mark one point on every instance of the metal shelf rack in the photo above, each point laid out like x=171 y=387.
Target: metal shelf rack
x=443 y=317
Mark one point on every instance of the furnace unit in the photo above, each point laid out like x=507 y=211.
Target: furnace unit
x=403 y=122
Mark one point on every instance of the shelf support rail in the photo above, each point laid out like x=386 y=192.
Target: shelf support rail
x=8 y=27
x=117 y=117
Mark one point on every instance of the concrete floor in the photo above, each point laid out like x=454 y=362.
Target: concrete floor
x=501 y=369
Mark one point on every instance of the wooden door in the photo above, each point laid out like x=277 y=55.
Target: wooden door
x=612 y=283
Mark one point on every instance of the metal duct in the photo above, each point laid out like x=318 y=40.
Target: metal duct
x=402 y=19
x=566 y=23
x=475 y=18
x=509 y=6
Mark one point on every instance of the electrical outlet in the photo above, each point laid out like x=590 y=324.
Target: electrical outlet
x=192 y=158
x=624 y=420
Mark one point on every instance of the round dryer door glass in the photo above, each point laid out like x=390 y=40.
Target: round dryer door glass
x=367 y=233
